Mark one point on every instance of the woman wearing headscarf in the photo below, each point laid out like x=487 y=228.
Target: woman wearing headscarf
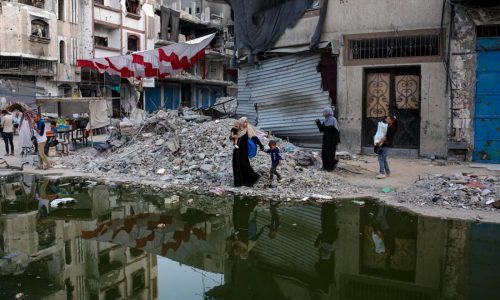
x=242 y=170
x=331 y=137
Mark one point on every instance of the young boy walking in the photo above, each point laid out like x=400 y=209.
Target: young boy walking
x=275 y=161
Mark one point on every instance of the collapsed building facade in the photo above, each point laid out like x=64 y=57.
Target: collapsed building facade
x=38 y=50
x=208 y=79
x=418 y=62
x=46 y=38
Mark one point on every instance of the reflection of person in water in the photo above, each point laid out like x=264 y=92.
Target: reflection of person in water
x=41 y=196
x=325 y=267
x=393 y=241
x=246 y=232
x=275 y=219
x=382 y=236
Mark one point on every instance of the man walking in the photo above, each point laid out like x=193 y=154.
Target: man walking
x=8 y=132
x=41 y=139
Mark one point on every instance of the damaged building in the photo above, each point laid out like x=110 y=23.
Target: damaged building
x=211 y=77
x=38 y=49
x=417 y=62
x=473 y=78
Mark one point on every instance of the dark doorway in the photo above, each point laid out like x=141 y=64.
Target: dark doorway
x=328 y=69
x=116 y=104
x=186 y=95
x=392 y=91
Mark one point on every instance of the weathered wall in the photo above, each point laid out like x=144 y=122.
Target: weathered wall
x=463 y=69
x=86 y=32
x=433 y=111
x=365 y=16
x=463 y=77
x=15 y=27
x=434 y=107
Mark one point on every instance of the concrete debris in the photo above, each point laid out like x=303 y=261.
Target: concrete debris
x=226 y=105
x=200 y=154
x=457 y=190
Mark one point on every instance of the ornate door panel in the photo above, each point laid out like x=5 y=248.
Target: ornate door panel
x=394 y=91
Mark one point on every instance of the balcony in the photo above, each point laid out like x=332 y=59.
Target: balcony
x=26 y=66
x=107 y=16
x=35 y=3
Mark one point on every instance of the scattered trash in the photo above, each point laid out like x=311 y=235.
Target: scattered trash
x=218 y=191
x=468 y=191
x=488 y=202
x=358 y=202
x=485 y=192
x=161 y=226
x=62 y=202
x=321 y=197
x=386 y=190
x=171 y=200
x=160 y=171
x=475 y=184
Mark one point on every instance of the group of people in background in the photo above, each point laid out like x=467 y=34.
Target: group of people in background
x=243 y=134
x=31 y=131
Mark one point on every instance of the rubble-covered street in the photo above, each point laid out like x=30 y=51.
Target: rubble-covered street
x=170 y=152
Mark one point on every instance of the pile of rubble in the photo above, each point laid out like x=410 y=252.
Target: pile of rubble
x=226 y=105
x=458 y=190
x=171 y=150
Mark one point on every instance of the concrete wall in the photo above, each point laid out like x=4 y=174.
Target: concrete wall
x=433 y=110
x=366 y=16
x=15 y=27
x=86 y=30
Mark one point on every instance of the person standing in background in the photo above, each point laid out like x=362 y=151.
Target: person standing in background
x=8 y=132
x=16 y=119
x=41 y=139
x=331 y=138
x=385 y=143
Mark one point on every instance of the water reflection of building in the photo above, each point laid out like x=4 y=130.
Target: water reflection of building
x=421 y=258
x=105 y=246
x=43 y=244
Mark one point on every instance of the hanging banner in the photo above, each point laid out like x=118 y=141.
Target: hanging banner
x=156 y=63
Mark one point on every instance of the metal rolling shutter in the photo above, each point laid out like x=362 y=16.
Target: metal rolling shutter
x=288 y=93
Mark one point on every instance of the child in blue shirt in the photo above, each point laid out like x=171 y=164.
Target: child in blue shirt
x=275 y=161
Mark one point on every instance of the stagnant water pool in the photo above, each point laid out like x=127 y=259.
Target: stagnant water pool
x=77 y=239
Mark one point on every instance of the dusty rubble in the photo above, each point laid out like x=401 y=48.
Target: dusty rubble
x=226 y=105
x=176 y=152
x=464 y=191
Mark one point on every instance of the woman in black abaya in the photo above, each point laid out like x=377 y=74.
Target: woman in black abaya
x=242 y=170
x=331 y=137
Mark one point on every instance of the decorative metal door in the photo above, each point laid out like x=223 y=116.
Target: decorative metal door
x=393 y=91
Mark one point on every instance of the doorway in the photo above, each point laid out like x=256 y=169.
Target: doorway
x=392 y=91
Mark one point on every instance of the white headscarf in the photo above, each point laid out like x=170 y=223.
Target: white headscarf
x=250 y=130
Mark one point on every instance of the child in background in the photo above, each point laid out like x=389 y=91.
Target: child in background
x=275 y=161
x=234 y=133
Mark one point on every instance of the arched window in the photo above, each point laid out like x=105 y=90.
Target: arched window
x=133 y=43
x=39 y=28
x=62 y=52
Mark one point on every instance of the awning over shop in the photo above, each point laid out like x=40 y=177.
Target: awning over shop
x=159 y=63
